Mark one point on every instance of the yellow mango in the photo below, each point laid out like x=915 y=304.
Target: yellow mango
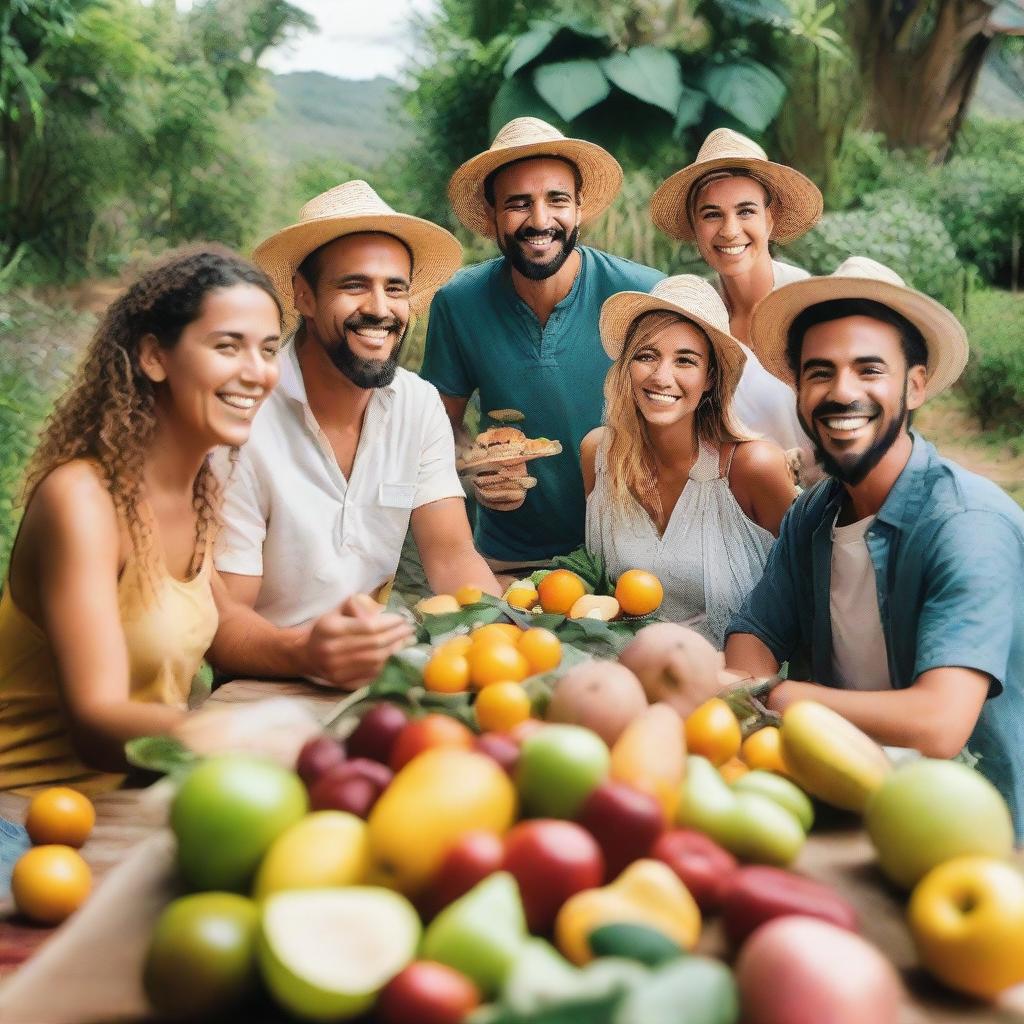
x=650 y=755
x=830 y=757
x=438 y=797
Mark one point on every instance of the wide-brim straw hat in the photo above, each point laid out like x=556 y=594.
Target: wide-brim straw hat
x=530 y=137
x=689 y=295
x=353 y=208
x=796 y=202
x=861 y=278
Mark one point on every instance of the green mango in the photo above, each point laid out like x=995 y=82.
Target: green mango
x=785 y=793
x=694 y=990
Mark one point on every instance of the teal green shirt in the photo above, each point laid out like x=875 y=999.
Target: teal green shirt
x=948 y=552
x=482 y=336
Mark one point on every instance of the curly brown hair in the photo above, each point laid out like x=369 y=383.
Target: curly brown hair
x=108 y=412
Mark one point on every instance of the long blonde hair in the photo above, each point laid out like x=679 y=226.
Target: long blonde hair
x=629 y=457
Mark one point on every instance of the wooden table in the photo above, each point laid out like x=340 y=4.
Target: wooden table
x=840 y=856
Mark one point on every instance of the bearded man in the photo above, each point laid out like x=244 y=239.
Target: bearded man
x=522 y=329
x=895 y=584
x=345 y=454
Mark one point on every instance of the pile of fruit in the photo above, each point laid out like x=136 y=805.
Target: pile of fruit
x=548 y=870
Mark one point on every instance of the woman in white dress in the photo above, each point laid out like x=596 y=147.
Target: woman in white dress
x=731 y=202
x=675 y=482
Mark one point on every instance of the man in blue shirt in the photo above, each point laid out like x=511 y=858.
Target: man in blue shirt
x=522 y=329
x=896 y=583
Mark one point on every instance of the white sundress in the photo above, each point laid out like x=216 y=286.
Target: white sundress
x=709 y=557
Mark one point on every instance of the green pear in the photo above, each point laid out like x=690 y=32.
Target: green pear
x=481 y=933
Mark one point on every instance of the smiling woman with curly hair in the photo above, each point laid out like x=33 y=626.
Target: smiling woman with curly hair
x=108 y=607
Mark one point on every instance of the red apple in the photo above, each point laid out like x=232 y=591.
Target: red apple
x=376 y=733
x=701 y=864
x=501 y=747
x=433 y=730
x=318 y=756
x=352 y=786
x=427 y=992
x=624 y=821
x=475 y=856
x=551 y=860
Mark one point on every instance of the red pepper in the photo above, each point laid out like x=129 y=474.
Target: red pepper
x=756 y=894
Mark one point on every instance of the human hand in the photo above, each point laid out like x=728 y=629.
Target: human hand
x=349 y=645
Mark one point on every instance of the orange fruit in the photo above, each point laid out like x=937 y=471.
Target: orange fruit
x=60 y=815
x=713 y=731
x=502 y=632
x=559 y=591
x=469 y=594
x=763 y=749
x=523 y=598
x=502 y=706
x=457 y=645
x=50 y=882
x=432 y=730
x=491 y=663
x=638 y=592
x=733 y=769
x=446 y=672
x=542 y=649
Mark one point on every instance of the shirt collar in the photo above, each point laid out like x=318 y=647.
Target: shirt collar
x=903 y=503
x=290 y=380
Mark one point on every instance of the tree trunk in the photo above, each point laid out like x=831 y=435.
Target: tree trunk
x=919 y=61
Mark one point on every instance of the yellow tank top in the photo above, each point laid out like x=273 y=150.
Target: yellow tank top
x=168 y=626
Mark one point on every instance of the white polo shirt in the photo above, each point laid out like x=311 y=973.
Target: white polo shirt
x=290 y=515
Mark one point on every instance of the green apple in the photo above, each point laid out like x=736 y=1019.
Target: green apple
x=202 y=957
x=967 y=920
x=927 y=812
x=559 y=766
x=481 y=933
x=749 y=825
x=326 y=953
x=227 y=813
x=785 y=793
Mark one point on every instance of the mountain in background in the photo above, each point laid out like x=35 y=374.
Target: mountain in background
x=317 y=115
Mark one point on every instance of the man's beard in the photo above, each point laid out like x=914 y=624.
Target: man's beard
x=364 y=373
x=852 y=474
x=509 y=245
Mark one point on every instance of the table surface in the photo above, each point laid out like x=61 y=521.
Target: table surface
x=839 y=855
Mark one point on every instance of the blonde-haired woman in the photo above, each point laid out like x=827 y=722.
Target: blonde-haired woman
x=675 y=483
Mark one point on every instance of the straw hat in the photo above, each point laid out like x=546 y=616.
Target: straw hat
x=349 y=209
x=525 y=137
x=689 y=295
x=796 y=201
x=861 y=278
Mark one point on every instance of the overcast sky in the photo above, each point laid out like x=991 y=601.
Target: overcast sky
x=355 y=38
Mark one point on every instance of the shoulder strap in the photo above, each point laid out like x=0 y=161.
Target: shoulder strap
x=728 y=464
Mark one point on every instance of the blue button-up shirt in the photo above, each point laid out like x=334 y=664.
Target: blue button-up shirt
x=948 y=552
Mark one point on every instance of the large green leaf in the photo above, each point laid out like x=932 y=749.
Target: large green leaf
x=690 y=109
x=746 y=89
x=650 y=73
x=530 y=45
x=518 y=98
x=571 y=86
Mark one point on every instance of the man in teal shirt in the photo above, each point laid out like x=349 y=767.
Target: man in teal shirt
x=895 y=585
x=522 y=329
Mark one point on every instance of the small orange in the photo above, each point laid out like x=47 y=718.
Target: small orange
x=446 y=672
x=50 y=882
x=763 y=749
x=638 y=592
x=713 y=731
x=543 y=650
x=733 y=769
x=457 y=645
x=501 y=707
x=502 y=632
x=468 y=594
x=60 y=815
x=559 y=591
x=491 y=663
x=523 y=598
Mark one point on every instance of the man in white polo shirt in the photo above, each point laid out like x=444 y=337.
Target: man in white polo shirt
x=348 y=451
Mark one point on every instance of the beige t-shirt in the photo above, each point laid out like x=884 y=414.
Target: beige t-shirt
x=859 y=658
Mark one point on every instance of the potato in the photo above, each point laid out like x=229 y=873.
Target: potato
x=674 y=664
x=600 y=695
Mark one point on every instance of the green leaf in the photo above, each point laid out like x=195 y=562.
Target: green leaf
x=752 y=93
x=690 y=109
x=434 y=626
x=518 y=98
x=160 y=754
x=571 y=86
x=650 y=73
x=530 y=45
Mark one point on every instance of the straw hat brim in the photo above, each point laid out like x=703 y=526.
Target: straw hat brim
x=944 y=335
x=599 y=171
x=436 y=253
x=620 y=311
x=796 y=201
